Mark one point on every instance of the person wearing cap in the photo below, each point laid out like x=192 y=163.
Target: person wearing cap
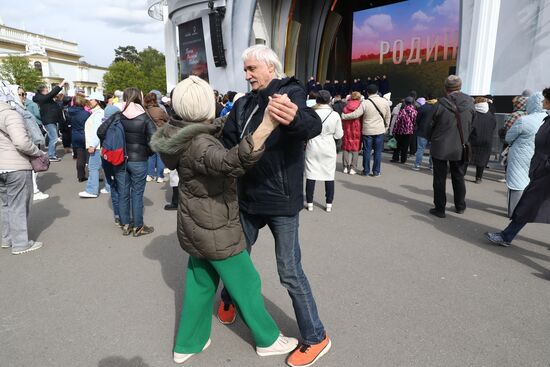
x=208 y=225
x=51 y=115
x=448 y=144
x=321 y=152
x=375 y=114
x=95 y=102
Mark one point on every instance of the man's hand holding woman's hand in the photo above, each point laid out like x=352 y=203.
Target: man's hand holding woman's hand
x=282 y=109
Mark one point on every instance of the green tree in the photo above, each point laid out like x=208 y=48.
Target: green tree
x=16 y=70
x=127 y=53
x=153 y=65
x=123 y=74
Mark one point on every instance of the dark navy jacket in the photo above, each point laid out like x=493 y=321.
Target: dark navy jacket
x=274 y=186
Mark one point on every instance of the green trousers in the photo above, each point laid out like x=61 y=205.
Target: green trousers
x=243 y=283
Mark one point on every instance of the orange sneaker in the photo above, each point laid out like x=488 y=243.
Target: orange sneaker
x=226 y=313
x=306 y=355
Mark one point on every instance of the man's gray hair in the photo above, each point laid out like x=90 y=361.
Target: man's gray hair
x=266 y=55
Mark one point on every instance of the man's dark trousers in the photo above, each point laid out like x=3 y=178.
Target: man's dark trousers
x=440 y=170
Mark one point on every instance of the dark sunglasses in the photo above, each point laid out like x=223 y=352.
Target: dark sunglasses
x=22 y=94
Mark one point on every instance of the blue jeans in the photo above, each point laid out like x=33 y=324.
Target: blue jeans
x=289 y=267
x=422 y=144
x=155 y=161
x=52 y=137
x=370 y=142
x=511 y=231
x=130 y=181
x=94 y=164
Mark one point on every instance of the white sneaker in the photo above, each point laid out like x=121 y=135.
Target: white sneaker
x=352 y=171
x=166 y=171
x=40 y=196
x=86 y=194
x=104 y=191
x=33 y=245
x=182 y=357
x=149 y=178
x=345 y=169
x=503 y=180
x=283 y=345
x=309 y=207
x=329 y=208
x=160 y=179
x=5 y=245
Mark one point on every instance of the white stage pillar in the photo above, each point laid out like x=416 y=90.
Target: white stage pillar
x=170 y=51
x=480 y=52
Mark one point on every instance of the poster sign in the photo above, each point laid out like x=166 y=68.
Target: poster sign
x=413 y=43
x=192 y=50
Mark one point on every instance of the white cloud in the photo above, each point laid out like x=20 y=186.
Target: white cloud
x=449 y=8
x=421 y=17
x=373 y=25
x=420 y=27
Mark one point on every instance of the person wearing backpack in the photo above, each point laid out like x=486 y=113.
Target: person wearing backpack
x=131 y=175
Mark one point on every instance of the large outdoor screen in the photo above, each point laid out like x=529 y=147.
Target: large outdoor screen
x=192 y=50
x=414 y=43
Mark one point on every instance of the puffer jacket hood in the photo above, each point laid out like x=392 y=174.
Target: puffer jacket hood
x=208 y=224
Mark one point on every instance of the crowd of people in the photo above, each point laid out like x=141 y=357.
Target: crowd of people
x=236 y=163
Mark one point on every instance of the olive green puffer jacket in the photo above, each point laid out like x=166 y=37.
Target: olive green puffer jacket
x=208 y=212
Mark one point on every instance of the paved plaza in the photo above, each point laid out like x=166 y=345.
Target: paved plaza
x=394 y=285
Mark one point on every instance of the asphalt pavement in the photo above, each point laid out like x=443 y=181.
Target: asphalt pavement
x=394 y=285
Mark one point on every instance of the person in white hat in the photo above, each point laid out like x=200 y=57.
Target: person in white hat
x=96 y=102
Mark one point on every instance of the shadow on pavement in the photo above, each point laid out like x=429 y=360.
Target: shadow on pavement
x=173 y=261
x=117 y=361
x=43 y=215
x=458 y=226
x=46 y=180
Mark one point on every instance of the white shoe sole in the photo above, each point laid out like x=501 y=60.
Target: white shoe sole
x=323 y=352
x=290 y=348
x=35 y=246
x=185 y=357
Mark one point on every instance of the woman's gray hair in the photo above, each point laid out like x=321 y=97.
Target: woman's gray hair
x=266 y=55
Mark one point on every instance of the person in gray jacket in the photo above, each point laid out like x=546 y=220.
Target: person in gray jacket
x=15 y=180
x=448 y=144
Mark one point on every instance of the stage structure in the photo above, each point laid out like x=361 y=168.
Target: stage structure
x=416 y=43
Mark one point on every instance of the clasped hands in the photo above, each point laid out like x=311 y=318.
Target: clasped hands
x=281 y=109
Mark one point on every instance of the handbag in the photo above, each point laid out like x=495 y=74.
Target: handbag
x=392 y=143
x=40 y=163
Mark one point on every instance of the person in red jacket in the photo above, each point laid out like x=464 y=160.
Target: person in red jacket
x=351 y=142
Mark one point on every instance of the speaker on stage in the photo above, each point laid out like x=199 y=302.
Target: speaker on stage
x=218 y=50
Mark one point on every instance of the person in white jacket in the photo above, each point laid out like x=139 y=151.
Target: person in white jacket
x=321 y=151
x=93 y=145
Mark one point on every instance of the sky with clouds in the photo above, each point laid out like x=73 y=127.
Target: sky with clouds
x=404 y=20
x=98 y=26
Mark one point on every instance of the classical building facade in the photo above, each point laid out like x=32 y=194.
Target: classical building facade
x=55 y=58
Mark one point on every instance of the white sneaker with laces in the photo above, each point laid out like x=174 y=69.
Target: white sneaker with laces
x=86 y=194
x=309 y=207
x=283 y=345
x=329 y=208
x=33 y=245
x=149 y=178
x=40 y=196
x=160 y=179
x=182 y=357
x=104 y=191
x=345 y=169
x=352 y=171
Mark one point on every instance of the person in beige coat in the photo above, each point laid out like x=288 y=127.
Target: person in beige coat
x=376 y=114
x=15 y=180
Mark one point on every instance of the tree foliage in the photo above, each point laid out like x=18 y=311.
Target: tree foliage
x=127 y=53
x=121 y=75
x=145 y=70
x=16 y=70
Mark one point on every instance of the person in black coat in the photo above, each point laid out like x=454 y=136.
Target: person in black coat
x=344 y=89
x=328 y=87
x=481 y=139
x=534 y=205
x=448 y=144
x=77 y=117
x=310 y=84
x=50 y=114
